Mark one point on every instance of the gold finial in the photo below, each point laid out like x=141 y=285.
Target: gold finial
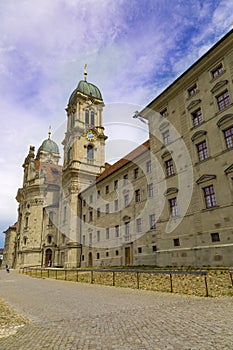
x=85 y=71
x=49 y=133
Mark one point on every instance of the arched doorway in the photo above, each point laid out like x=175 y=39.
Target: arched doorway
x=90 y=262
x=48 y=257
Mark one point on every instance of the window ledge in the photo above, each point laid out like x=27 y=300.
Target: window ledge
x=210 y=208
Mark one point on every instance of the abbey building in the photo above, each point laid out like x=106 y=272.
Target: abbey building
x=169 y=202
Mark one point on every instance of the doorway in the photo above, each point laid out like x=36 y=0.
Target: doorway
x=48 y=257
x=127 y=256
x=90 y=260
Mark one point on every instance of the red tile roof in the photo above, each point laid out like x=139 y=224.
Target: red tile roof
x=123 y=161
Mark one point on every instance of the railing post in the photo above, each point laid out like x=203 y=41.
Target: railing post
x=171 y=286
x=206 y=287
x=113 y=278
x=41 y=273
x=231 y=278
x=65 y=275
x=77 y=277
x=92 y=279
x=48 y=273
x=137 y=273
x=56 y=274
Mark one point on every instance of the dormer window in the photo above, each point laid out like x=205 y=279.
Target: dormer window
x=164 y=113
x=193 y=90
x=217 y=71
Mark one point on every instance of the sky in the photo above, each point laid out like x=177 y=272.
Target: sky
x=133 y=49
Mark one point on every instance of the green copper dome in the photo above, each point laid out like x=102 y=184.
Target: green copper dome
x=88 y=89
x=49 y=146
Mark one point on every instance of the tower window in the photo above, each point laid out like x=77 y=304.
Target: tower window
x=89 y=117
x=90 y=152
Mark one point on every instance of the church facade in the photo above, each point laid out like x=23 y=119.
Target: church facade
x=169 y=202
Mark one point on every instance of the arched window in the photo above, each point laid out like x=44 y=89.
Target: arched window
x=89 y=117
x=49 y=239
x=92 y=118
x=86 y=116
x=90 y=152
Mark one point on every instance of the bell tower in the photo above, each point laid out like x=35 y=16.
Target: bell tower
x=84 y=156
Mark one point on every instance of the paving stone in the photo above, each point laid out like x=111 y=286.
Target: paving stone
x=69 y=316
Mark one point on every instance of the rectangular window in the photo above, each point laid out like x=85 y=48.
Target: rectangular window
x=148 y=166
x=98 y=212
x=107 y=208
x=217 y=71
x=117 y=231
x=139 y=250
x=210 y=199
x=90 y=238
x=107 y=233
x=98 y=194
x=150 y=190
x=197 y=117
x=84 y=240
x=169 y=167
x=228 y=135
x=173 y=207
x=125 y=179
x=223 y=100
x=107 y=253
x=137 y=196
x=90 y=216
x=116 y=204
x=193 y=90
x=84 y=203
x=84 y=218
x=91 y=198
x=154 y=248
x=166 y=137
x=97 y=256
x=139 y=225
x=115 y=184
x=127 y=231
x=215 y=237
x=136 y=173
x=126 y=200
x=116 y=252
x=107 y=189
x=202 y=150
x=176 y=242
x=152 y=221
x=98 y=236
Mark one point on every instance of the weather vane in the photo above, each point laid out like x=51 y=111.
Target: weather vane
x=85 y=71
x=49 y=133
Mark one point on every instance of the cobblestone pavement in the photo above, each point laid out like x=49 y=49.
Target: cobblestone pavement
x=69 y=316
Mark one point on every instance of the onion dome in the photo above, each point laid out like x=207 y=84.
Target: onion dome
x=86 y=88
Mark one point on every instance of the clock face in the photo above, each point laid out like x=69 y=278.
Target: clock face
x=90 y=135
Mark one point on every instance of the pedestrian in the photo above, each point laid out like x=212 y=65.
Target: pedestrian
x=7 y=268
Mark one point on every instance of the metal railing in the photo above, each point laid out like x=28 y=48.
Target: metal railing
x=30 y=270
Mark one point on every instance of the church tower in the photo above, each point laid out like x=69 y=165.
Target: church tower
x=84 y=159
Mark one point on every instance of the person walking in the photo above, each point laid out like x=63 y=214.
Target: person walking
x=7 y=268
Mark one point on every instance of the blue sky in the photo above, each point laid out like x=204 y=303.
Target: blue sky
x=133 y=49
